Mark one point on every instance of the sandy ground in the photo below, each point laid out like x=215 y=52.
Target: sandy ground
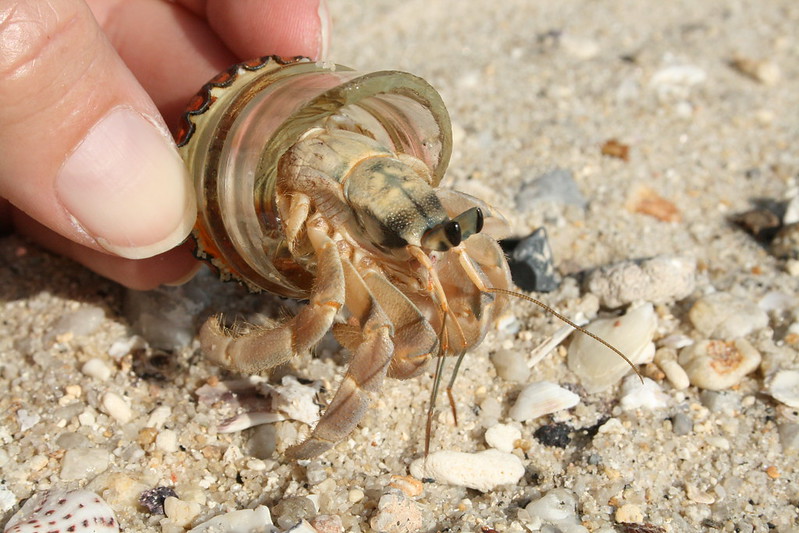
x=531 y=87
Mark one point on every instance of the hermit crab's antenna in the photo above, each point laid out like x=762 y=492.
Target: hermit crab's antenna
x=548 y=309
x=442 y=350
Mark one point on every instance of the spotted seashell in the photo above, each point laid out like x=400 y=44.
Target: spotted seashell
x=60 y=511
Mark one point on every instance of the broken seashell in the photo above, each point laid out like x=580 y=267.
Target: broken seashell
x=598 y=367
x=718 y=365
x=784 y=387
x=542 y=398
x=61 y=510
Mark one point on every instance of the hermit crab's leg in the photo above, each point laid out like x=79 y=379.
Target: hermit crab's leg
x=418 y=254
x=414 y=339
x=265 y=348
x=294 y=209
x=365 y=374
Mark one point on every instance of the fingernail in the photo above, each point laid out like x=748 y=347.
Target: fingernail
x=127 y=187
x=324 y=31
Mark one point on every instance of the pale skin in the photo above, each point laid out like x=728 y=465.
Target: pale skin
x=112 y=76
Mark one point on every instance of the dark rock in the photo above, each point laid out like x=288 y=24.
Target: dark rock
x=530 y=261
x=554 y=435
x=153 y=499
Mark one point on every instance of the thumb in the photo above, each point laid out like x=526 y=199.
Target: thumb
x=83 y=149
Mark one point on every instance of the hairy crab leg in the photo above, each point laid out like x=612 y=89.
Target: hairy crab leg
x=365 y=373
x=267 y=347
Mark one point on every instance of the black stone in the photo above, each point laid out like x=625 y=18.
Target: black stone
x=530 y=261
x=153 y=499
x=554 y=435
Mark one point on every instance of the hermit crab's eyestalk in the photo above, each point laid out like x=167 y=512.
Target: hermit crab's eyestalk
x=245 y=120
x=451 y=233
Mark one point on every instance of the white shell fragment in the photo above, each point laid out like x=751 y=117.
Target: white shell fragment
x=482 y=471
x=597 y=366
x=661 y=279
x=638 y=395
x=556 y=507
x=784 y=387
x=718 y=365
x=503 y=437
x=541 y=398
x=60 y=511
x=257 y=520
x=721 y=315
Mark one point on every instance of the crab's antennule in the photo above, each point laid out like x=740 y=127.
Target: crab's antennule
x=559 y=316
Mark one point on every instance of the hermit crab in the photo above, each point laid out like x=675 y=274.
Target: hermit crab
x=320 y=183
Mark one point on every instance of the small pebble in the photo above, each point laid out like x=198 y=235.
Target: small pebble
x=661 y=279
x=579 y=47
x=396 y=513
x=7 y=499
x=355 y=495
x=761 y=223
x=629 y=513
x=243 y=520
x=116 y=407
x=541 y=398
x=511 y=365
x=762 y=71
x=556 y=507
x=80 y=464
x=96 y=368
x=122 y=347
x=167 y=441
x=80 y=511
x=597 y=366
x=181 y=512
x=327 y=523
x=717 y=365
x=531 y=265
x=676 y=80
x=557 y=435
x=638 y=395
x=27 y=419
x=666 y=359
x=153 y=499
x=682 y=424
x=721 y=315
x=292 y=510
x=784 y=387
x=303 y=527
x=789 y=438
x=83 y=321
x=557 y=186
x=726 y=403
x=481 y=470
x=410 y=486
x=503 y=437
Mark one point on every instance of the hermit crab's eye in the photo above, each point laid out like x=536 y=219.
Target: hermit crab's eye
x=451 y=233
x=471 y=222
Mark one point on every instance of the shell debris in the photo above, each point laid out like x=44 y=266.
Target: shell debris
x=784 y=387
x=482 y=471
x=597 y=366
x=59 y=511
x=717 y=365
x=541 y=398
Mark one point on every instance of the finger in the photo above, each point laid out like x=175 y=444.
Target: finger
x=173 y=266
x=171 y=51
x=82 y=147
x=253 y=28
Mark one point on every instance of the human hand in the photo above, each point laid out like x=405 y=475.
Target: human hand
x=88 y=168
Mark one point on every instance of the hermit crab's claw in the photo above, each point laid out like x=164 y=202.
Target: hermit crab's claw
x=451 y=233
